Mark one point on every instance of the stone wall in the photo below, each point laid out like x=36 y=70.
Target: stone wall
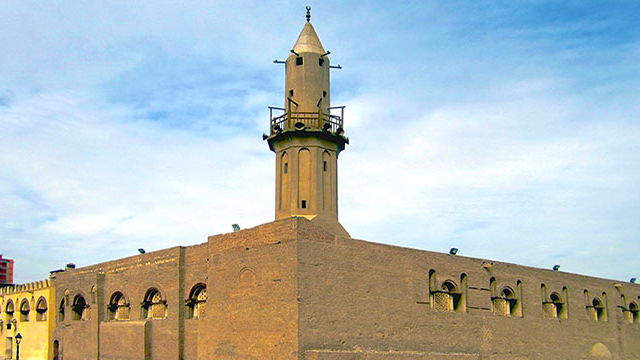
x=290 y=290
x=361 y=300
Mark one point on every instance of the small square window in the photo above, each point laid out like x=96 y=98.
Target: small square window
x=299 y=60
x=303 y=204
x=291 y=92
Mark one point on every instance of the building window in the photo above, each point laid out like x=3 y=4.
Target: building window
x=286 y=168
x=324 y=165
x=9 y=310
x=118 y=308
x=303 y=204
x=448 y=297
x=41 y=309
x=299 y=60
x=320 y=61
x=291 y=93
x=24 y=310
x=154 y=306
x=597 y=310
x=555 y=307
x=61 y=310
x=634 y=313
x=79 y=308
x=507 y=303
x=196 y=301
x=57 y=354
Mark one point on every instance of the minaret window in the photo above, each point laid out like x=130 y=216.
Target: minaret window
x=324 y=94
x=303 y=204
x=291 y=92
x=324 y=165
x=299 y=60
x=286 y=168
x=320 y=61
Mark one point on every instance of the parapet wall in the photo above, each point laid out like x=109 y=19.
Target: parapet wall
x=30 y=286
x=362 y=300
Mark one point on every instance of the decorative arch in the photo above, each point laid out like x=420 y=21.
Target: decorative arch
x=9 y=310
x=118 y=307
x=447 y=297
x=94 y=293
x=196 y=301
x=61 y=314
x=57 y=350
x=556 y=307
x=79 y=307
x=601 y=351
x=596 y=309
x=634 y=311
x=25 y=309
x=304 y=173
x=154 y=305
x=41 y=309
x=507 y=302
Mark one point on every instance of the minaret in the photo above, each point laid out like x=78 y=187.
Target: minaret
x=307 y=138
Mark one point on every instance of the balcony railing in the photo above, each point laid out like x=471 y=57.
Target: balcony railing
x=308 y=120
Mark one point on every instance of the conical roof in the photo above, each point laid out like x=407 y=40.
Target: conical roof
x=308 y=41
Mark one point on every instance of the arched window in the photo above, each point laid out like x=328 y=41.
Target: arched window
x=596 y=309
x=507 y=303
x=154 y=306
x=635 y=313
x=79 y=308
x=556 y=308
x=196 y=301
x=118 y=308
x=24 y=310
x=9 y=310
x=41 y=309
x=61 y=310
x=447 y=298
x=57 y=354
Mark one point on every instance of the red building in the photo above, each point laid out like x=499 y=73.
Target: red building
x=6 y=271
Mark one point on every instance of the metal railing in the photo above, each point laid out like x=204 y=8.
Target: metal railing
x=311 y=120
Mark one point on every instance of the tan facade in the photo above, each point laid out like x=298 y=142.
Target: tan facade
x=291 y=290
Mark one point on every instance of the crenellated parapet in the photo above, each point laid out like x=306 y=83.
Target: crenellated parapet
x=30 y=286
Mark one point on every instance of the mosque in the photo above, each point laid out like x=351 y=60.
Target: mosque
x=301 y=287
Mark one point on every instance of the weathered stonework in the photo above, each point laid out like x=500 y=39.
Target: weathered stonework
x=291 y=290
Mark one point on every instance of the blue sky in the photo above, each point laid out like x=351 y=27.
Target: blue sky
x=506 y=129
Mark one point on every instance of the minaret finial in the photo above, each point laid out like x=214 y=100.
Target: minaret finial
x=308 y=13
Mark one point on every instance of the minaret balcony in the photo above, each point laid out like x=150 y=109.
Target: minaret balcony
x=299 y=120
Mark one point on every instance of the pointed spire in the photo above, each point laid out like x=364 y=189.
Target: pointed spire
x=308 y=41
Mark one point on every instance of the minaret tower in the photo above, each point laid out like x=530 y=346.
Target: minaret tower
x=307 y=137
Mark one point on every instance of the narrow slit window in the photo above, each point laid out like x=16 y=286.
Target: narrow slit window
x=303 y=204
x=299 y=60
x=324 y=165
x=324 y=93
x=286 y=168
x=291 y=92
